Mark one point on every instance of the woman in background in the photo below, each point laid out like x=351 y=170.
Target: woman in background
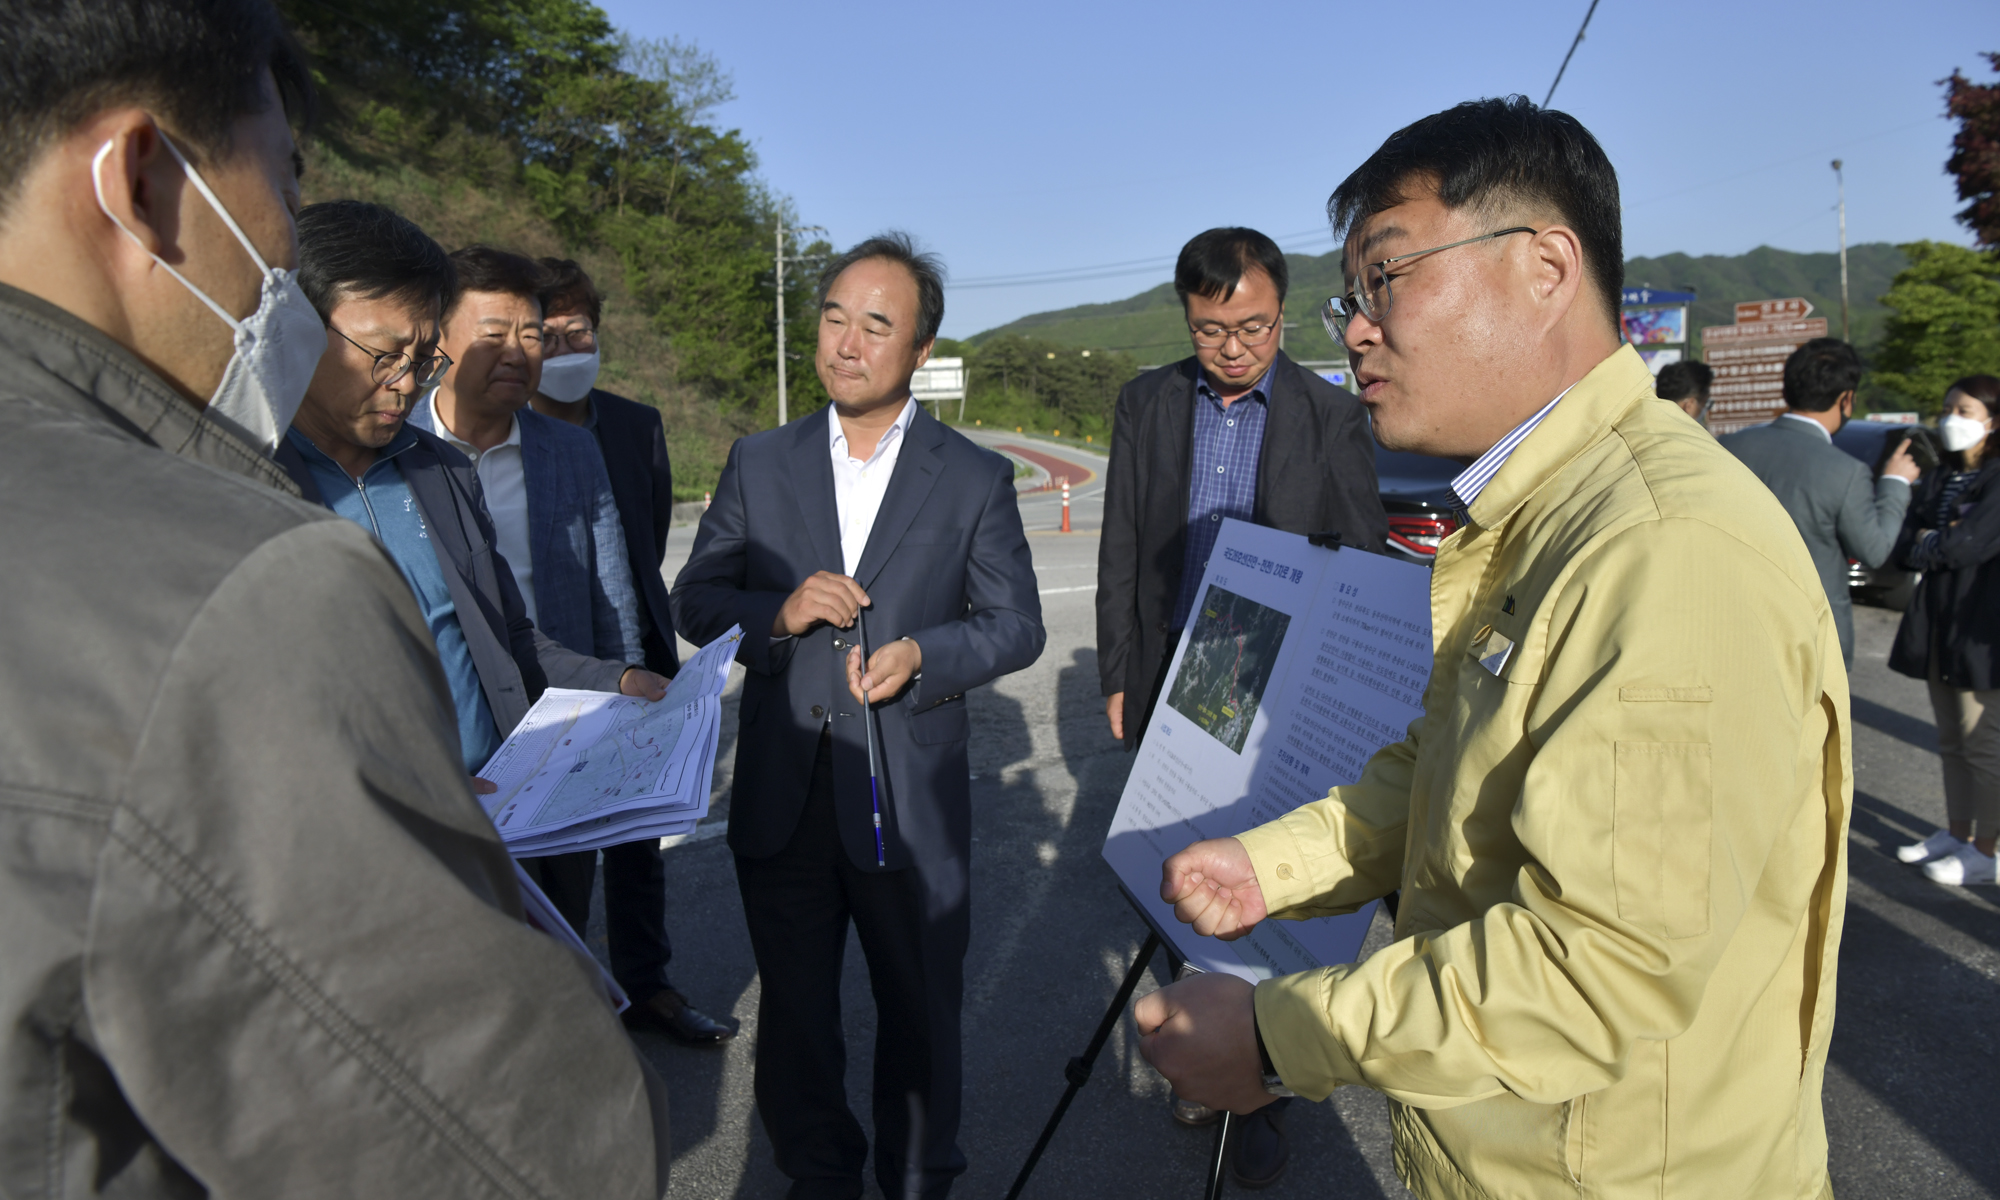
x=1950 y=635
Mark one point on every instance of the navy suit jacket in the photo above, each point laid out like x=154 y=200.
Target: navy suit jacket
x=947 y=564
x=515 y=661
x=634 y=445
x=583 y=584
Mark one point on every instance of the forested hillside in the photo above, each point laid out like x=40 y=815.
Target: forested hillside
x=533 y=125
x=1149 y=324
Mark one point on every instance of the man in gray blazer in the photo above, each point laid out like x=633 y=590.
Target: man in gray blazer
x=1840 y=512
x=864 y=525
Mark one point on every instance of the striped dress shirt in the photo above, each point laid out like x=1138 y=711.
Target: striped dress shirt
x=1467 y=484
x=1222 y=477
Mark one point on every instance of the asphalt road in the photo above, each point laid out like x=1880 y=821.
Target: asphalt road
x=1915 y=1070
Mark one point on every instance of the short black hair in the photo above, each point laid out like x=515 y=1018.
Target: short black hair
x=197 y=65
x=1215 y=261
x=1818 y=372
x=567 y=288
x=354 y=250
x=486 y=269
x=1680 y=380
x=1499 y=156
x=926 y=269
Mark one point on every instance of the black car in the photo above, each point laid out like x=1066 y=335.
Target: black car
x=1886 y=586
x=1416 y=493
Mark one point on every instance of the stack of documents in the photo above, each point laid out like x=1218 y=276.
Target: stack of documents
x=585 y=770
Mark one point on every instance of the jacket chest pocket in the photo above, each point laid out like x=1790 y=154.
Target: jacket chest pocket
x=1662 y=821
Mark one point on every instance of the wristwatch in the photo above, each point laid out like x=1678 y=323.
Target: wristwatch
x=1272 y=1084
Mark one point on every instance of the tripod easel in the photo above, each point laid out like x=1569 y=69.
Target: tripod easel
x=1077 y=1072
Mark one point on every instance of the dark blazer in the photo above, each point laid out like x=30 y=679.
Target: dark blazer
x=1957 y=602
x=947 y=564
x=634 y=445
x=1316 y=473
x=515 y=660
x=1839 y=510
x=583 y=584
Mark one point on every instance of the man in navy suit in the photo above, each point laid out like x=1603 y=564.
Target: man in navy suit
x=634 y=445
x=867 y=525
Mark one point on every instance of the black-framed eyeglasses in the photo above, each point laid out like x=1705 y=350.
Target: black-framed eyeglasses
x=391 y=365
x=1254 y=334
x=581 y=339
x=1373 y=297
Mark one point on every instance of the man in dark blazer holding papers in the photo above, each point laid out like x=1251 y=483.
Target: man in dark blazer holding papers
x=868 y=515
x=1235 y=430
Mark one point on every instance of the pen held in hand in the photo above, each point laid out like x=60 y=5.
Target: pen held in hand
x=868 y=732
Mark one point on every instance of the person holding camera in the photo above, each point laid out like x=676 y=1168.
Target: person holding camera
x=1952 y=627
x=1840 y=512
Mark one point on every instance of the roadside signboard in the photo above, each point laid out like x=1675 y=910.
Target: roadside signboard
x=1652 y=317
x=1749 y=360
x=939 y=379
x=1644 y=295
x=1794 y=309
x=1655 y=326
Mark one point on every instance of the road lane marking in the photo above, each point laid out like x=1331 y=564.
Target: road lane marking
x=1088 y=587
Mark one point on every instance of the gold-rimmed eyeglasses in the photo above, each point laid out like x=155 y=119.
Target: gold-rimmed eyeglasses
x=391 y=365
x=1374 y=297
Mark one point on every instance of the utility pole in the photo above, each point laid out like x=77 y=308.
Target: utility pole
x=779 y=222
x=1840 y=181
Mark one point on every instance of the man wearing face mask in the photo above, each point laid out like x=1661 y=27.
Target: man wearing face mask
x=260 y=939
x=634 y=445
x=1841 y=513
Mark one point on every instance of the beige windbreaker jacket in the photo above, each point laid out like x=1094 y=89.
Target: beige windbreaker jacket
x=1621 y=850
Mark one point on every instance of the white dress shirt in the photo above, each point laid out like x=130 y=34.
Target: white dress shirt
x=504 y=481
x=858 y=487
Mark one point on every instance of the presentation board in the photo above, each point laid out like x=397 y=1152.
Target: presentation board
x=1297 y=664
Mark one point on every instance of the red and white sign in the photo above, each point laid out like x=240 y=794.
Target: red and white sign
x=1794 y=309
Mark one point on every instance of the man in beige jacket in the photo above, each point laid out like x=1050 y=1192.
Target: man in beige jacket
x=257 y=939
x=1619 y=826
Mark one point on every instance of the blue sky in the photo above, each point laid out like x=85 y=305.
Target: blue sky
x=1031 y=137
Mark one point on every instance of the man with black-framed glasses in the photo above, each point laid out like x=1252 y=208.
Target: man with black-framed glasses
x=1236 y=430
x=1619 y=827
x=380 y=284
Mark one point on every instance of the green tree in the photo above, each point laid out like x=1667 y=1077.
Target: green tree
x=1045 y=386
x=1944 y=322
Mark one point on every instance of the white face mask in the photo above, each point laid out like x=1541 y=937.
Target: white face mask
x=278 y=347
x=1960 y=433
x=570 y=377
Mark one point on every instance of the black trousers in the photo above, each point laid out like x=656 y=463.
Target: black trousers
x=798 y=903
x=635 y=908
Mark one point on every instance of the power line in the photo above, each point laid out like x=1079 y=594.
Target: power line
x=1136 y=266
x=1572 y=50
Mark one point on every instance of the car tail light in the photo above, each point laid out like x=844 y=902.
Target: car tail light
x=1420 y=534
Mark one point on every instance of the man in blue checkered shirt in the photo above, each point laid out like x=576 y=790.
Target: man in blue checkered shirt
x=1236 y=430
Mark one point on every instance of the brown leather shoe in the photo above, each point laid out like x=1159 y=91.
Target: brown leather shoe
x=669 y=1012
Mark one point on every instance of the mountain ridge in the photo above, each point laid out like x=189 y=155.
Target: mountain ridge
x=1148 y=324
